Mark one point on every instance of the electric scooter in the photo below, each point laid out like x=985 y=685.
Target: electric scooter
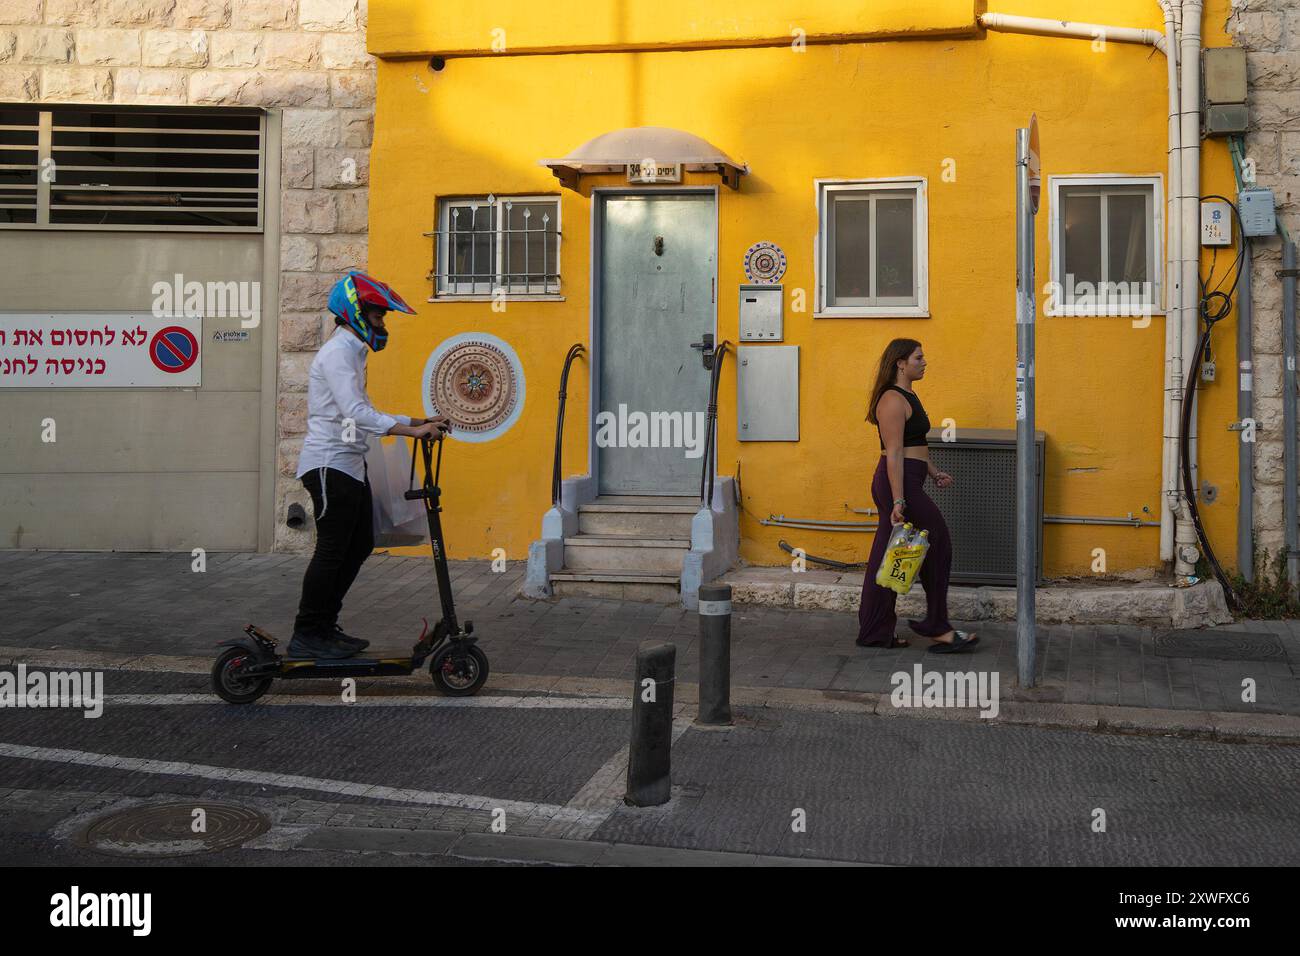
x=244 y=671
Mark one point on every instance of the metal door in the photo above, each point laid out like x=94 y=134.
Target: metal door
x=656 y=296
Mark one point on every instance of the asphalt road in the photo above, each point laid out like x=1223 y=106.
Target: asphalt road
x=786 y=783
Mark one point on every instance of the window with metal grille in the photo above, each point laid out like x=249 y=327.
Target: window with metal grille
x=87 y=167
x=486 y=246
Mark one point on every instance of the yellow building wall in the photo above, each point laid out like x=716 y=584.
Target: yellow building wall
x=857 y=110
x=412 y=27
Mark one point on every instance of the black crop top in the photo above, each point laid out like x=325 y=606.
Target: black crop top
x=915 y=428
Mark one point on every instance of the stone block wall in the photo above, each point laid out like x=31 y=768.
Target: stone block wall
x=305 y=57
x=1269 y=31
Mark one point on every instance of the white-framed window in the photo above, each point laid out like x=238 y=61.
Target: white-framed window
x=490 y=243
x=872 y=248
x=1105 y=234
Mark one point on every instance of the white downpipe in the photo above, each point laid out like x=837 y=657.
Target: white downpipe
x=1007 y=23
x=1186 y=548
x=1178 y=320
x=1172 y=296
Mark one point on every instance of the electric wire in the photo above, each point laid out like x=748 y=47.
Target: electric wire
x=1214 y=305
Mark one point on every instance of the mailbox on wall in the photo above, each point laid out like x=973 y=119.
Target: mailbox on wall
x=761 y=308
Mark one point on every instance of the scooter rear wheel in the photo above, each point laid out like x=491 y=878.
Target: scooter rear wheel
x=459 y=672
x=228 y=684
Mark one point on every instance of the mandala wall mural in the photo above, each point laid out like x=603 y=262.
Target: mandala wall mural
x=477 y=381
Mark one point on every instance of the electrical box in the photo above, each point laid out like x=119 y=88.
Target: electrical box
x=1223 y=91
x=761 y=313
x=980 y=506
x=767 y=393
x=1258 y=216
x=1216 y=223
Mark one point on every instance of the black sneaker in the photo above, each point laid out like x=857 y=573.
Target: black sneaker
x=358 y=643
x=319 y=646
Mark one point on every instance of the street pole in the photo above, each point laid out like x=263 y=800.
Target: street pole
x=1026 y=450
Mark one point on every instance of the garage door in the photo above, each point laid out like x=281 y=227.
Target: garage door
x=136 y=339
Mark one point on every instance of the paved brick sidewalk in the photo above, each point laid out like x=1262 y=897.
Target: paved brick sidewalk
x=154 y=604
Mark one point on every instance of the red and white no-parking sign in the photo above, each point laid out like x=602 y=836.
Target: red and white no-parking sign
x=100 y=350
x=174 y=349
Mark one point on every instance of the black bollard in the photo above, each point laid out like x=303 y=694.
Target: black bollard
x=715 y=655
x=649 y=761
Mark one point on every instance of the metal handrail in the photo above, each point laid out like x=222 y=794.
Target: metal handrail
x=711 y=416
x=574 y=351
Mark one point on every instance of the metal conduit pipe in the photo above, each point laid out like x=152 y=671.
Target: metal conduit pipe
x=1289 y=273
x=812 y=524
x=1245 y=410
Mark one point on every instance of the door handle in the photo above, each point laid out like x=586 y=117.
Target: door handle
x=705 y=347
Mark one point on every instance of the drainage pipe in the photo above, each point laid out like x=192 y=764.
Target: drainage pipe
x=1037 y=26
x=1180 y=315
x=1186 y=543
x=1173 y=363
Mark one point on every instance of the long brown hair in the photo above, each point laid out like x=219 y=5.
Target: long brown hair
x=895 y=352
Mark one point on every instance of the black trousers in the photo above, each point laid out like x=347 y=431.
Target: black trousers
x=344 y=539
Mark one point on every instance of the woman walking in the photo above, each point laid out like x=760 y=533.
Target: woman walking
x=897 y=489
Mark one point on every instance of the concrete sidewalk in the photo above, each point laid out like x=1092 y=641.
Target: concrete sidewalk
x=150 y=603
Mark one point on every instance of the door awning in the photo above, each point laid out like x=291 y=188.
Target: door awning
x=614 y=151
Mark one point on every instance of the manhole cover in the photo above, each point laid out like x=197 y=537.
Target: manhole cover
x=173 y=829
x=1220 y=645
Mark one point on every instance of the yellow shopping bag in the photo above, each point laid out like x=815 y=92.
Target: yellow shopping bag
x=903 y=557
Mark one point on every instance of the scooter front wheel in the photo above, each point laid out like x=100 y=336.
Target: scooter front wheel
x=229 y=685
x=459 y=672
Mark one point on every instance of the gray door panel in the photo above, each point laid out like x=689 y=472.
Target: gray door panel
x=656 y=298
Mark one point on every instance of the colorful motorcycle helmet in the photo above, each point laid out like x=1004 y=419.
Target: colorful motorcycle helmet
x=357 y=289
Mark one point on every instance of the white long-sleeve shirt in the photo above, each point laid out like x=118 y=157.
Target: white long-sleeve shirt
x=336 y=392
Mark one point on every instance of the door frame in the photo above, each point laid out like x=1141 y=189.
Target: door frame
x=598 y=196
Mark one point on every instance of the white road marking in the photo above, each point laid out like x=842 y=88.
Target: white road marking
x=329 y=700
x=175 y=768
x=598 y=798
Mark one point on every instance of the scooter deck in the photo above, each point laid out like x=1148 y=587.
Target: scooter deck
x=345 y=667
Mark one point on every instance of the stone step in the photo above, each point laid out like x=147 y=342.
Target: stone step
x=655 y=586
x=682 y=504
x=628 y=523
x=647 y=516
x=610 y=552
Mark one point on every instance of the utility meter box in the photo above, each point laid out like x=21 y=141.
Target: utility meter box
x=1223 y=91
x=1258 y=216
x=761 y=313
x=1216 y=223
x=767 y=386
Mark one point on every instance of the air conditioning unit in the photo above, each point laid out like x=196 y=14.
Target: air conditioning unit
x=980 y=505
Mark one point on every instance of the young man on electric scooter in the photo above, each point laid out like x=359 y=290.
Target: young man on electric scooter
x=332 y=464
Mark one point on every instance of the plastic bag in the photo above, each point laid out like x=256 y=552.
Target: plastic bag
x=903 y=556
x=397 y=521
